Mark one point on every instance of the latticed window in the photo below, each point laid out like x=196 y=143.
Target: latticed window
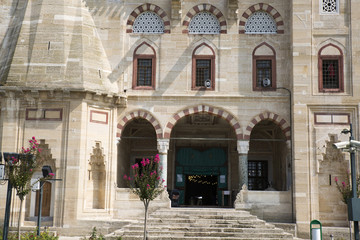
x=204 y=23
x=330 y=72
x=203 y=71
x=329 y=6
x=258 y=176
x=144 y=72
x=263 y=70
x=148 y=22
x=260 y=23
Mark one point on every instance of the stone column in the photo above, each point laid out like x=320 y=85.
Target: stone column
x=163 y=147
x=243 y=149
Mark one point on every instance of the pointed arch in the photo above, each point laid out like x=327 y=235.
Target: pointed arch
x=204 y=109
x=148 y=7
x=144 y=67
x=283 y=124
x=262 y=7
x=206 y=57
x=207 y=8
x=139 y=114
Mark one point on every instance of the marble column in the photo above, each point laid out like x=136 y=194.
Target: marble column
x=163 y=147
x=243 y=149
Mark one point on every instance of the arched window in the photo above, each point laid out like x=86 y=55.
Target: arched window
x=203 y=68
x=148 y=22
x=260 y=22
x=204 y=23
x=330 y=68
x=264 y=68
x=144 y=67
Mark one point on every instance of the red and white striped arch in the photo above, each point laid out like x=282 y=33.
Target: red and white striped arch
x=148 y=7
x=209 y=8
x=283 y=124
x=139 y=114
x=262 y=7
x=207 y=109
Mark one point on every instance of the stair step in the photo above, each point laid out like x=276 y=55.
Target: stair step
x=202 y=224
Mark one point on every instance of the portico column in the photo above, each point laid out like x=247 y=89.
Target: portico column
x=163 y=147
x=243 y=149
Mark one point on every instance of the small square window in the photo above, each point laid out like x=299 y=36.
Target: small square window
x=329 y=6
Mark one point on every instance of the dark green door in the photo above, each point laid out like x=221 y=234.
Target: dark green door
x=201 y=175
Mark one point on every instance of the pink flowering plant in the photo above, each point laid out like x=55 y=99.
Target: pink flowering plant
x=345 y=188
x=20 y=168
x=146 y=182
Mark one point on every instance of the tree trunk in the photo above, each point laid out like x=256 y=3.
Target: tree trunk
x=19 y=218
x=146 y=204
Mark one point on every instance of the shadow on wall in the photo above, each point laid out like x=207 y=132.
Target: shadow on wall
x=8 y=44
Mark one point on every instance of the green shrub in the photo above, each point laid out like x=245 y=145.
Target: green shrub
x=45 y=235
x=94 y=235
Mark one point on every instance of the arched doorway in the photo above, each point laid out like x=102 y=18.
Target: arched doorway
x=267 y=160
x=138 y=140
x=203 y=160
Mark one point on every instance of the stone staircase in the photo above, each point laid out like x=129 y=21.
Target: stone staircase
x=201 y=224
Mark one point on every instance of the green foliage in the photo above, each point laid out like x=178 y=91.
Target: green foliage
x=45 y=235
x=146 y=181
x=94 y=235
x=345 y=188
x=20 y=168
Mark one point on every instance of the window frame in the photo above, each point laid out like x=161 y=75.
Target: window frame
x=135 y=68
x=340 y=60
x=255 y=58
x=194 y=67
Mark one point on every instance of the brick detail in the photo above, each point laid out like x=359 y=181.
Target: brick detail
x=148 y=7
x=262 y=7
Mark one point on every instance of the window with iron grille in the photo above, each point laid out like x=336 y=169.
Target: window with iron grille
x=144 y=67
x=257 y=175
x=263 y=70
x=144 y=72
x=203 y=68
x=330 y=67
x=203 y=71
x=330 y=74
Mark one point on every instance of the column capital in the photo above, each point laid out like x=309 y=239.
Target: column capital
x=288 y=144
x=243 y=146
x=163 y=145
